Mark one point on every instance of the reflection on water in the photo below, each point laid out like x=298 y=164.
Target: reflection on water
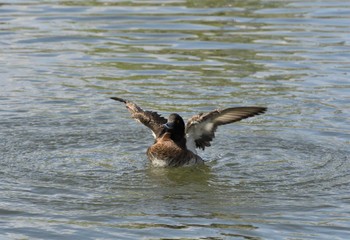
x=197 y=175
x=73 y=164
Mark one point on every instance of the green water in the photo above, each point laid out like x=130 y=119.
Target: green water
x=73 y=163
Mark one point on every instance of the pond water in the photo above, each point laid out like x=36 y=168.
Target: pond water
x=73 y=163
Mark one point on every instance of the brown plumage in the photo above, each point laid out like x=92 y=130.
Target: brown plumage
x=150 y=119
x=175 y=143
x=204 y=125
x=165 y=152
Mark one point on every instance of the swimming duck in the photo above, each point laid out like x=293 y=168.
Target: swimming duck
x=176 y=142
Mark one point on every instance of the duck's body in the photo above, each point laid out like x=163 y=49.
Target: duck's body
x=175 y=143
x=165 y=152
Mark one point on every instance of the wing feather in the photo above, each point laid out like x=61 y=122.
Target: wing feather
x=150 y=119
x=201 y=128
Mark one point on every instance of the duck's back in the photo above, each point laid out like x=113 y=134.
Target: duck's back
x=165 y=152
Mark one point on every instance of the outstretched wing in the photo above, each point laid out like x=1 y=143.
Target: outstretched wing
x=150 y=119
x=201 y=128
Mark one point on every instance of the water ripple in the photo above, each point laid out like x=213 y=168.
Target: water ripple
x=73 y=164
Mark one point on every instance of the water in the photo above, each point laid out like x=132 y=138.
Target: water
x=73 y=164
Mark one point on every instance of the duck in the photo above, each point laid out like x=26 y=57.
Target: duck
x=175 y=142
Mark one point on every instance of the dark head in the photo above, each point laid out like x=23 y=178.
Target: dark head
x=175 y=125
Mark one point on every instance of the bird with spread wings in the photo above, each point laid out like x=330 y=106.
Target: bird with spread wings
x=176 y=142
